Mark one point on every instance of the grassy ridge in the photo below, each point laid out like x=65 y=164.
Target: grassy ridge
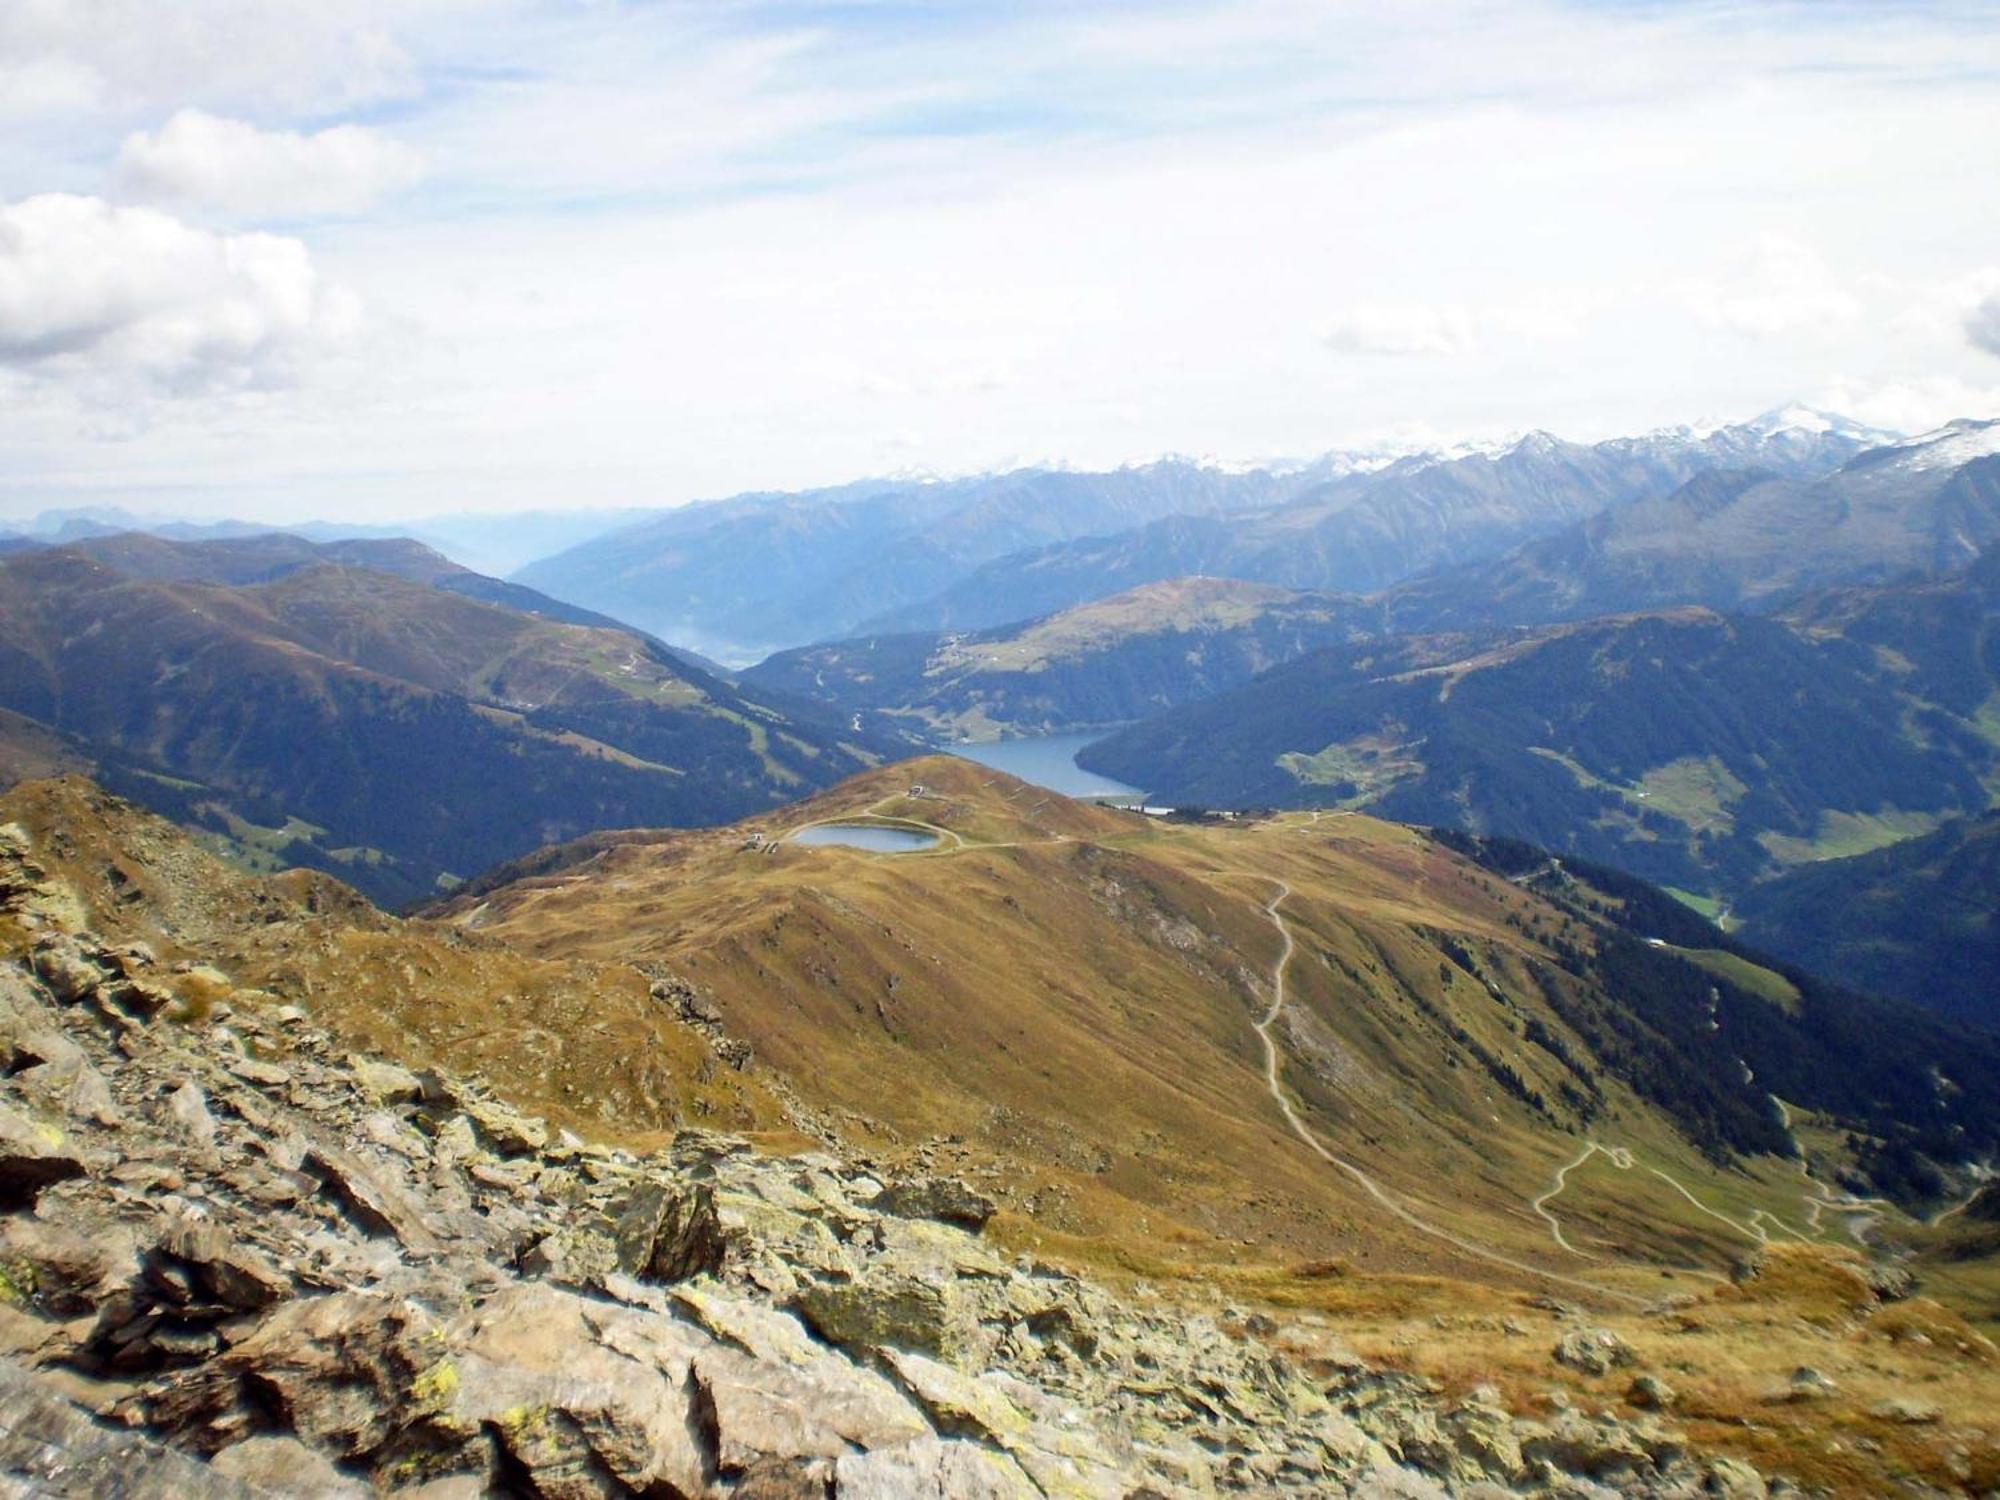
x=1071 y=992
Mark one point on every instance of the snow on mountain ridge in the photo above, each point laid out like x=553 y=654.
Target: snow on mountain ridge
x=1951 y=445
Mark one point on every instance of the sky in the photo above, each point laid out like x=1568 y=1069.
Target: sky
x=362 y=259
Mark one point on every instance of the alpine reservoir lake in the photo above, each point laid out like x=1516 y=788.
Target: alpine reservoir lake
x=1049 y=761
x=878 y=837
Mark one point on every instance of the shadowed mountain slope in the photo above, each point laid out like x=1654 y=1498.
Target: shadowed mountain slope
x=1698 y=749
x=268 y=556
x=399 y=730
x=1919 y=919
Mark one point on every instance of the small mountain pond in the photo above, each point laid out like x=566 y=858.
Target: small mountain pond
x=874 y=836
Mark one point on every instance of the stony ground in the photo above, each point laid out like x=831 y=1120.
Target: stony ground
x=237 y=1261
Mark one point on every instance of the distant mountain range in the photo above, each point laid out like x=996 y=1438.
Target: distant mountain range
x=1368 y=532
x=1730 y=539
x=488 y=542
x=1739 y=539
x=370 y=707
x=743 y=577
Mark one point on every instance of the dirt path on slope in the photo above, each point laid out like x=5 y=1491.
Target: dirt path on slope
x=1863 y=1214
x=1367 y=1183
x=1620 y=1158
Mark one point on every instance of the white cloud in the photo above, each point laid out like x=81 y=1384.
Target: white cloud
x=1780 y=289
x=45 y=85
x=1419 y=328
x=307 y=55
x=1400 y=328
x=120 y=304
x=670 y=249
x=1934 y=310
x=204 y=161
x=1919 y=404
x=1982 y=325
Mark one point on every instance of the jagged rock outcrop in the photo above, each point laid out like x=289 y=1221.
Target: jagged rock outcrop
x=236 y=1261
x=1595 y=1351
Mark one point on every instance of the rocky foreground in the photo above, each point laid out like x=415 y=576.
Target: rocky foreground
x=236 y=1260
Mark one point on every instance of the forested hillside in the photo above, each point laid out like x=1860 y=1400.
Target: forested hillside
x=1700 y=750
x=1100 y=664
x=398 y=732
x=1918 y=919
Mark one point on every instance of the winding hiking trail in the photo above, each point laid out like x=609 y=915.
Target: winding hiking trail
x=1620 y=1158
x=1862 y=1211
x=1978 y=1187
x=951 y=842
x=1368 y=1184
x=1863 y=1214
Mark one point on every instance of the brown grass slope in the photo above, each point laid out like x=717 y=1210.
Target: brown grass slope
x=585 y=1044
x=1069 y=996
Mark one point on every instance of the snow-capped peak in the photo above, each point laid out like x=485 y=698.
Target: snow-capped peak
x=1538 y=441
x=1493 y=447
x=1798 y=417
x=1953 y=444
x=1794 y=419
